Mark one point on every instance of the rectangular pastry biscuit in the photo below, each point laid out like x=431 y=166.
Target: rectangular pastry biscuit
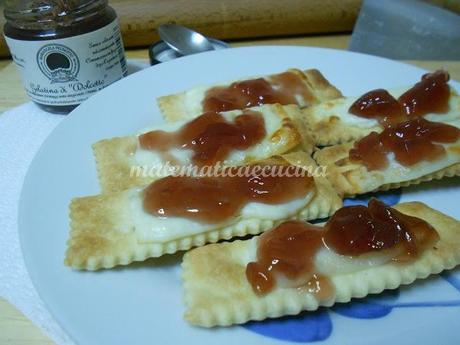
x=123 y=164
x=217 y=292
x=113 y=229
x=188 y=104
x=353 y=178
x=331 y=123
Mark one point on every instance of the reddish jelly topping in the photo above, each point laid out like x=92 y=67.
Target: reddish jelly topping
x=216 y=199
x=211 y=137
x=289 y=249
x=281 y=88
x=379 y=104
x=358 y=230
x=430 y=95
x=411 y=142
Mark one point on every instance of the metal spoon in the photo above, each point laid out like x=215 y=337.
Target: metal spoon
x=184 y=40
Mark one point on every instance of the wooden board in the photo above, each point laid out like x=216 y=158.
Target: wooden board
x=235 y=19
x=230 y=19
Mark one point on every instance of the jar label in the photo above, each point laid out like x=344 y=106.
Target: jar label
x=67 y=71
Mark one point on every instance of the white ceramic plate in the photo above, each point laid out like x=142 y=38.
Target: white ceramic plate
x=142 y=303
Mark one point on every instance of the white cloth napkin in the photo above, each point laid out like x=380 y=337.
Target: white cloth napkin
x=22 y=131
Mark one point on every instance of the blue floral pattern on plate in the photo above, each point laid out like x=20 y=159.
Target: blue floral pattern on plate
x=317 y=326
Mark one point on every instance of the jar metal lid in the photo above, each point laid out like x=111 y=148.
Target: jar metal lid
x=161 y=52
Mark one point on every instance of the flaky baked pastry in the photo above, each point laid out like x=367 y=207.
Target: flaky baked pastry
x=189 y=104
x=331 y=123
x=351 y=178
x=217 y=291
x=113 y=229
x=122 y=163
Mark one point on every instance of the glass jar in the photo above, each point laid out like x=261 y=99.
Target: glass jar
x=66 y=50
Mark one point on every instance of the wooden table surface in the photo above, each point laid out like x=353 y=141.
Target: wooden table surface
x=15 y=328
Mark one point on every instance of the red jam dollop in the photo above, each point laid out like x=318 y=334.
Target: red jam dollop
x=214 y=199
x=210 y=136
x=411 y=142
x=289 y=250
x=281 y=88
x=358 y=230
x=430 y=95
x=379 y=104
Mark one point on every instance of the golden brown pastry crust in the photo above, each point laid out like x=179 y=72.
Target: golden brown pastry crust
x=217 y=292
x=113 y=161
x=175 y=107
x=350 y=178
x=331 y=130
x=115 y=157
x=103 y=234
x=322 y=89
